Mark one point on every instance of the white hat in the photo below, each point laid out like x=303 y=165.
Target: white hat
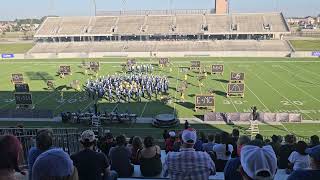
x=172 y=134
x=189 y=135
x=88 y=135
x=255 y=159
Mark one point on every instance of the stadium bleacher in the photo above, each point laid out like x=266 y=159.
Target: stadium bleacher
x=161 y=46
x=160 y=24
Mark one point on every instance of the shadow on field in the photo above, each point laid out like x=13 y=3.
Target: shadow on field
x=41 y=76
x=188 y=105
x=221 y=80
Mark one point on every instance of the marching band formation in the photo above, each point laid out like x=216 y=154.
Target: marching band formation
x=127 y=87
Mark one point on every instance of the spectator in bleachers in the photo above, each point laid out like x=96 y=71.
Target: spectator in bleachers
x=258 y=161
x=202 y=139
x=136 y=150
x=150 y=158
x=129 y=145
x=234 y=139
x=107 y=144
x=314 y=141
x=299 y=159
x=188 y=163
x=208 y=147
x=314 y=172
x=54 y=164
x=120 y=158
x=231 y=170
x=223 y=151
x=170 y=141
x=91 y=165
x=165 y=134
x=10 y=154
x=260 y=137
x=178 y=143
x=43 y=143
x=276 y=144
x=285 y=150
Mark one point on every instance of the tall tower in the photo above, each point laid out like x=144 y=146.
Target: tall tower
x=222 y=6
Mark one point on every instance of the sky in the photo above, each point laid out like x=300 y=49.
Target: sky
x=12 y=9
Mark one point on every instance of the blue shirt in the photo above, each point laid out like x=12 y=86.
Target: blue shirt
x=305 y=175
x=32 y=156
x=231 y=169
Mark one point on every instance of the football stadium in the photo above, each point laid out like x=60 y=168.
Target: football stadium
x=169 y=80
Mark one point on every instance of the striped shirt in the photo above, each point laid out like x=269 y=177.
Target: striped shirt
x=188 y=164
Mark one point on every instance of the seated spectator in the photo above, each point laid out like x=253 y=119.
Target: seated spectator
x=231 y=170
x=200 y=141
x=234 y=139
x=260 y=137
x=10 y=154
x=91 y=165
x=165 y=134
x=178 y=143
x=258 y=162
x=150 y=158
x=223 y=151
x=276 y=144
x=314 y=141
x=314 y=172
x=135 y=150
x=54 y=164
x=208 y=147
x=285 y=150
x=107 y=144
x=299 y=159
x=120 y=158
x=43 y=143
x=188 y=163
x=170 y=141
x=129 y=145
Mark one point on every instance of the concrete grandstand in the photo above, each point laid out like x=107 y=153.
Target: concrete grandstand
x=172 y=34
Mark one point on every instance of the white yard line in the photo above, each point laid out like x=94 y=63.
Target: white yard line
x=293 y=85
x=311 y=72
x=227 y=97
x=76 y=94
x=87 y=106
x=300 y=76
x=45 y=98
x=279 y=93
x=144 y=108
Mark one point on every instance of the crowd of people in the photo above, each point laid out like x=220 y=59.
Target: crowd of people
x=189 y=155
x=127 y=87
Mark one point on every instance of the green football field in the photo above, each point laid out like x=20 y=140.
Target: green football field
x=272 y=84
x=306 y=45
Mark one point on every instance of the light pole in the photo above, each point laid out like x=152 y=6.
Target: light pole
x=95 y=7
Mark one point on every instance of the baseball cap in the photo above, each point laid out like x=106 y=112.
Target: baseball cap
x=314 y=152
x=172 y=134
x=88 y=136
x=255 y=160
x=52 y=163
x=189 y=136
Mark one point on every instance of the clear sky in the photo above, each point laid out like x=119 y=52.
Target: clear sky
x=11 y=9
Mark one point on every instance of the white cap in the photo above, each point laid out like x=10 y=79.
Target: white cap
x=88 y=135
x=172 y=134
x=189 y=135
x=255 y=159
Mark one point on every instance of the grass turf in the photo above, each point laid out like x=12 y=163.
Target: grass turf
x=15 y=48
x=272 y=84
x=306 y=45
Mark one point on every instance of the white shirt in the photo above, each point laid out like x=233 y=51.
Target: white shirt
x=299 y=161
x=220 y=150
